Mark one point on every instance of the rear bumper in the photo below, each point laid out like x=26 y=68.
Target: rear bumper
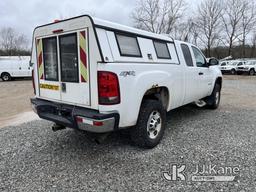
x=75 y=117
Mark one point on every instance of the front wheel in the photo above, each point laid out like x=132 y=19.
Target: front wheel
x=6 y=77
x=251 y=72
x=214 y=98
x=150 y=125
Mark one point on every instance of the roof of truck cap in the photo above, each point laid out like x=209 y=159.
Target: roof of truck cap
x=99 y=23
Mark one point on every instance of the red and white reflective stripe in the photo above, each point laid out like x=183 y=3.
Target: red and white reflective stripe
x=40 y=58
x=83 y=56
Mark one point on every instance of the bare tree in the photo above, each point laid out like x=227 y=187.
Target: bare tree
x=248 y=22
x=208 y=22
x=158 y=16
x=11 y=41
x=253 y=49
x=232 y=19
x=7 y=39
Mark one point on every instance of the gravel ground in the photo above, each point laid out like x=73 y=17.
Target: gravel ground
x=33 y=158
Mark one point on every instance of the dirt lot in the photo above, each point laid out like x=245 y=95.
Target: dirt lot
x=33 y=158
x=14 y=101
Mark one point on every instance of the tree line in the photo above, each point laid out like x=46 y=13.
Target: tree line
x=13 y=43
x=219 y=27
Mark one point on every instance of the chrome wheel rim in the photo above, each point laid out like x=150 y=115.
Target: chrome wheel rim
x=154 y=124
x=6 y=78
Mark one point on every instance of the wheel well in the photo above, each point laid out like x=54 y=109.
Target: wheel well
x=219 y=81
x=160 y=94
x=4 y=73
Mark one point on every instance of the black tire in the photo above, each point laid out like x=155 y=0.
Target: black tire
x=251 y=72
x=140 y=134
x=6 y=77
x=233 y=72
x=214 y=98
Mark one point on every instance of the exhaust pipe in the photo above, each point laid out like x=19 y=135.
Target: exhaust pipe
x=57 y=127
x=100 y=138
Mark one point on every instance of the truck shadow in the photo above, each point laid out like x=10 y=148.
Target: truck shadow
x=175 y=120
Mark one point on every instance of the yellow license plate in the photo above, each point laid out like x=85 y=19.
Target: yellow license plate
x=51 y=87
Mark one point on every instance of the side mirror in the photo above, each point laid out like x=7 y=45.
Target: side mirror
x=213 y=61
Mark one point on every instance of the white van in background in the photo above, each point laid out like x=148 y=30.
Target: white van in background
x=15 y=66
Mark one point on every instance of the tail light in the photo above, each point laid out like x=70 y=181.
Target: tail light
x=33 y=81
x=108 y=87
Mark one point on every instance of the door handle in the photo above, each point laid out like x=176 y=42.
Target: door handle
x=63 y=87
x=200 y=73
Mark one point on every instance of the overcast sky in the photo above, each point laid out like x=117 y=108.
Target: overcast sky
x=25 y=15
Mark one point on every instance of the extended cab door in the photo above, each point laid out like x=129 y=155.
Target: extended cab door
x=204 y=74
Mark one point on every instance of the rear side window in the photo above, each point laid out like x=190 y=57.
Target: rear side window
x=162 y=50
x=187 y=55
x=50 y=58
x=128 y=46
x=69 y=58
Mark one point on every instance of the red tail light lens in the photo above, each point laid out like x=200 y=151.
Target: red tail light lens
x=33 y=81
x=108 y=87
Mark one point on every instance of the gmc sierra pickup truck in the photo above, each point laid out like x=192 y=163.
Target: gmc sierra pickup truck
x=98 y=76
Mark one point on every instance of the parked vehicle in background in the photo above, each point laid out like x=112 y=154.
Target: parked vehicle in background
x=15 y=66
x=249 y=68
x=98 y=76
x=230 y=67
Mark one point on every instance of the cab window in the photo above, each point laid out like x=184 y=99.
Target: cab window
x=200 y=59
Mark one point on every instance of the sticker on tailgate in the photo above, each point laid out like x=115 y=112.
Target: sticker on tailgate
x=51 y=87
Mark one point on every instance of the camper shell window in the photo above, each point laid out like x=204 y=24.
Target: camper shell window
x=128 y=45
x=69 y=58
x=50 y=59
x=162 y=50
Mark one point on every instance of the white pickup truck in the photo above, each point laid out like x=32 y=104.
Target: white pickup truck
x=249 y=68
x=98 y=76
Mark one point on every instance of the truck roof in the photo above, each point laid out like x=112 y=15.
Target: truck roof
x=99 y=23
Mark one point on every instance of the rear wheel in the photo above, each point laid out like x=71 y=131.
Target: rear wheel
x=214 y=99
x=6 y=77
x=251 y=72
x=150 y=125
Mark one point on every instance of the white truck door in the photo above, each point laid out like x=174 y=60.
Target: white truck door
x=204 y=74
x=191 y=76
x=74 y=68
